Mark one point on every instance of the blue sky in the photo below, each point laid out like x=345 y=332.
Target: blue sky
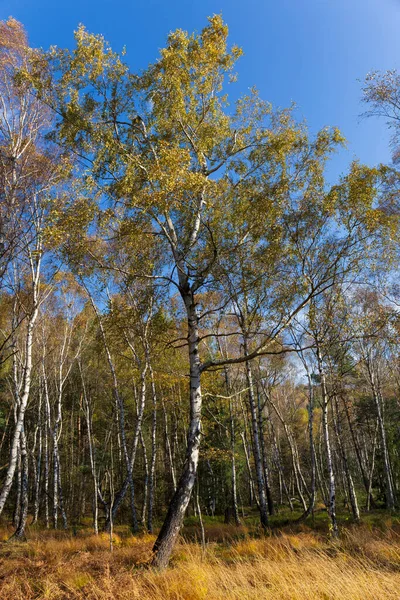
x=312 y=52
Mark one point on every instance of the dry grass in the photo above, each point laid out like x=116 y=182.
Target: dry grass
x=293 y=565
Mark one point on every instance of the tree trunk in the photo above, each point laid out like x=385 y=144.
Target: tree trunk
x=233 y=440
x=26 y=385
x=146 y=480
x=372 y=467
x=390 y=495
x=153 y=454
x=173 y=522
x=262 y=499
x=270 y=501
x=128 y=482
x=38 y=466
x=168 y=449
x=278 y=463
x=233 y=466
x=121 y=412
x=364 y=475
x=331 y=475
x=293 y=452
x=251 y=481
x=91 y=453
x=17 y=508
x=46 y=449
x=349 y=479
x=23 y=511
x=310 y=409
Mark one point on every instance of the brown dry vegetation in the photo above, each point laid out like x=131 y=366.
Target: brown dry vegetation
x=292 y=564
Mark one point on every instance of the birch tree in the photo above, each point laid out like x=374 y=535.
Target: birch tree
x=28 y=175
x=166 y=160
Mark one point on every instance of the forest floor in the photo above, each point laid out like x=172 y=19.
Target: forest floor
x=296 y=561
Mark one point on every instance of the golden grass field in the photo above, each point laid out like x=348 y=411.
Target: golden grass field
x=291 y=564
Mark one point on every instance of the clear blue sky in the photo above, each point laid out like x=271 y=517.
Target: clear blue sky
x=308 y=51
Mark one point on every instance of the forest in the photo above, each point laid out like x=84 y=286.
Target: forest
x=199 y=333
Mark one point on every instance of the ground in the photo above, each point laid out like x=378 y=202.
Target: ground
x=294 y=562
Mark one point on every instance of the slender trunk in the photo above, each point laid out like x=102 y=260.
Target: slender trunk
x=256 y=443
x=233 y=466
x=110 y=476
x=128 y=482
x=264 y=457
x=38 y=462
x=364 y=475
x=233 y=459
x=212 y=501
x=26 y=385
x=168 y=449
x=122 y=433
x=46 y=450
x=91 y=454
x=349 y=479
x=203 y=533
x=310 y=409
x=23 y=512
x=58 y=497
x=390 y=495
x=17 y=508
x=173 y=522
x=153 y=454
x=251 y=481
x=278 y=463
x=146 y=479
x=371 y=471
x=56 y=465
x=297 y=475
x=331 y=475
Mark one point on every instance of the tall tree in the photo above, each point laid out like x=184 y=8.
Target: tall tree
x=166 y=160
x=28 y=173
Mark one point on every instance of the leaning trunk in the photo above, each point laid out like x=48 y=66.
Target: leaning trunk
x=173 y=522
x=19 y=425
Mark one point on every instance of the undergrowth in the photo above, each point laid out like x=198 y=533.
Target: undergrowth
x=293 y=563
